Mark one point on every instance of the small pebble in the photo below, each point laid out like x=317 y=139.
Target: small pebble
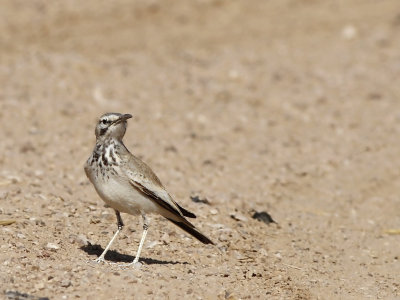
x=20 y=236
x=82 y=240
x=65 y=283
x=152 y=244
x=39 y=286
x=213 y=211
x=52 y=246
x=263 y=217
x=199 y=199
x=239 y=217
x=165 y=238
x=3 y=195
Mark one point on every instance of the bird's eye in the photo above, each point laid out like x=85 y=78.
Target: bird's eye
x=104 y=121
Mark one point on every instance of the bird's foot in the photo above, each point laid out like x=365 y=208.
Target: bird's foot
x=136 y=265
x=97 y=261
x=100 y=260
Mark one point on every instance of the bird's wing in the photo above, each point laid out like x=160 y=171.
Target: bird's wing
x=155 y=193
x=142 y=178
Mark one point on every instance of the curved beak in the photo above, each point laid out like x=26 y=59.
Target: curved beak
x=126 y=117
x=123 y=118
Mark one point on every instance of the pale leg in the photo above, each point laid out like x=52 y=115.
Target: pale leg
x=120 y=226
x=145 y=228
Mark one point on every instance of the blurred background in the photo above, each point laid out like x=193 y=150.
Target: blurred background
x=285 y=106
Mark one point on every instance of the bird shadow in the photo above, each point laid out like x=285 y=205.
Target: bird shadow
x=115 y=256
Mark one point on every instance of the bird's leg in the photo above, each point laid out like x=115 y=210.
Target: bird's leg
x=145 y=228
x=120 y=226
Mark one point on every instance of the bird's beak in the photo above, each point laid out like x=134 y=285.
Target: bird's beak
x=126 y=117
x=123 y=118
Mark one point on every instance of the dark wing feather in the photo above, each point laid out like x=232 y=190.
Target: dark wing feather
x=153 y=196
x=185 y=212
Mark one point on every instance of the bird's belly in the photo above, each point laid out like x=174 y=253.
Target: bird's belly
x=124 y=198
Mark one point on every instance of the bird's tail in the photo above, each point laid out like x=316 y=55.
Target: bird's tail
x=189 y=228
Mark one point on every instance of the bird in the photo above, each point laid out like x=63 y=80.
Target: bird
x=128 y=185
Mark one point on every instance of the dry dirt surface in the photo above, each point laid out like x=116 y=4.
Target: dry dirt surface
x=291 y=107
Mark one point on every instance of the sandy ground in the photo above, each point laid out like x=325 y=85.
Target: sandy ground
x=285 y=106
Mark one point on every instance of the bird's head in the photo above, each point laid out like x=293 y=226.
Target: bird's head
x=112 y=125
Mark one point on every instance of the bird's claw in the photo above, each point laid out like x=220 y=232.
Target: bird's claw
x=99 y=260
